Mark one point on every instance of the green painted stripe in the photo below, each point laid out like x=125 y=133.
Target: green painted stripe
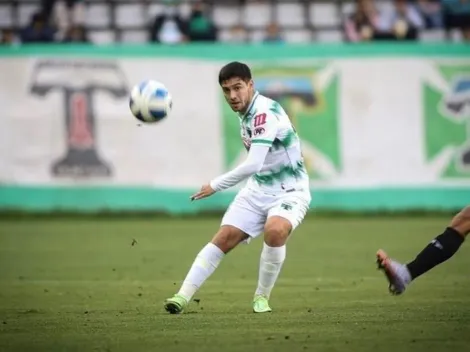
x=90 y=199
x=261 y=141
x=242 y=52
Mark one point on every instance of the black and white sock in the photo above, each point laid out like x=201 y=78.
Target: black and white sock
x=439 y=250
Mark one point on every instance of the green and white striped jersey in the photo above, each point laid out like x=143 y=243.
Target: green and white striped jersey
x=266 y=123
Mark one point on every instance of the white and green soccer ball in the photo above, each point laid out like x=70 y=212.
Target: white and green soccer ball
x=150 y=101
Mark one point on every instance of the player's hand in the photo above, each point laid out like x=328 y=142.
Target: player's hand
x=205 y=192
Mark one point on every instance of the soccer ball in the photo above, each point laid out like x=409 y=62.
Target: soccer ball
x=150 y=101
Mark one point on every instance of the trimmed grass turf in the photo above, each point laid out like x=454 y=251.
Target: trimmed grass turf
x=85 y=285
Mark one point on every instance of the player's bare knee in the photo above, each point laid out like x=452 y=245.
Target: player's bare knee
x=228 y=237
x=276 y=232
x=461 y=221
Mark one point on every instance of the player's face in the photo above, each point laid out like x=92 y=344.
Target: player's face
x=238 y=93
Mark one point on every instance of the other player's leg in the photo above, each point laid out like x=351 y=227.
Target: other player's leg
x=440 y=249
x=282 y=220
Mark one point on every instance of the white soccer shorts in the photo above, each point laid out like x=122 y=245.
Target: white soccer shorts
x=251 y=208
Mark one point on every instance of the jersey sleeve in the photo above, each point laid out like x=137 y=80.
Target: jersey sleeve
x=264 y=128
x=253 y=164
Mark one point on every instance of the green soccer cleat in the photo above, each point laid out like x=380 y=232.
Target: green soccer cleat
x=175 y=304
x=261 y=304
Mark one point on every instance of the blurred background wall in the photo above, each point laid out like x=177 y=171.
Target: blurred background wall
x=379 y=92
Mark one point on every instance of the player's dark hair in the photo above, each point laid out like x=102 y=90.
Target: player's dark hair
x=234 y=69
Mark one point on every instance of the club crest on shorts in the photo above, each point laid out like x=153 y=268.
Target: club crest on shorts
x=286 y=206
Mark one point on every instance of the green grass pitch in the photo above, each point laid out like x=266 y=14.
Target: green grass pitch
x=98 y=285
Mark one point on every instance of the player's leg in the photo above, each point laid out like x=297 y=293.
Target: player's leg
x=207 y=260
x=440 y=249
x=240 y=222
x=282 y=220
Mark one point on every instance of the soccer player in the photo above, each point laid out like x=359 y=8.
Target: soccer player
x=440 y=249
x=274 y=200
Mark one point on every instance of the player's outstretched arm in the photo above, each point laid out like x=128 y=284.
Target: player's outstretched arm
x=253 y=164
x=264 y=127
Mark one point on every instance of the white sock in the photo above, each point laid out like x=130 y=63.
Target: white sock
x=270 y=266
x=204 y=265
